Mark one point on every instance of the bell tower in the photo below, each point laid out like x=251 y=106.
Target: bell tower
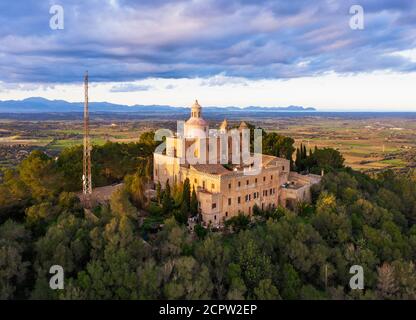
x=196 y=110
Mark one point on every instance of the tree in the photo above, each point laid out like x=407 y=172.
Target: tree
x=327 y=158
x=167 y=202
x=185 y=278
x=193 y=203
x=291 y=282
x=186 y=193
x=331 y=221
x=255 y=265
x=237 y=288
x=150 y=279
x=309 y=292
x=148 y=138
x=39 y=173
x=266 y=291
x=200 y=231
x=113 y=277
x=216 y=257
x=172 y=241
x=304 y=154
x=65 y=243
x=39 y=216
x=405 y=275
x=14 y=195
x=120 y=203
x=298 y=160
x=159 y=192
x=13 y=267
x=279 y=146
x=182 y=214
x=135 y=186
x=386 y=285
x=238 y=222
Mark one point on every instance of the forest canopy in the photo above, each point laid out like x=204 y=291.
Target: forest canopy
x=139 y=248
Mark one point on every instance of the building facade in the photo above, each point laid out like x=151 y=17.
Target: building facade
x=226 y=187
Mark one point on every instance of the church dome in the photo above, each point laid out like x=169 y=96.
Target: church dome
x=196 y=126
x=196 y=122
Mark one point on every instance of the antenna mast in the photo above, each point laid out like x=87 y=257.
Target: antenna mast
x=86 y=177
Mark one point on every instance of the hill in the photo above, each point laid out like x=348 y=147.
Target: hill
x=41 y=105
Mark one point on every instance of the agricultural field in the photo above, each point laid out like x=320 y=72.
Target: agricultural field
x=367 y=144
x=19 y=138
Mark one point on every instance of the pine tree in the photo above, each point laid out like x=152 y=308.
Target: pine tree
x=298 y=159
x=194 y=203
x=167 y=201
x=186 y=194
x=304 y=155
x=159 y=192
x=386 y=285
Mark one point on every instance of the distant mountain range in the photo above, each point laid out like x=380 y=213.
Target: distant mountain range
x=41 y=105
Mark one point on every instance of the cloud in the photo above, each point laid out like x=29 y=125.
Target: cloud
x=10 y=86
x=222 y=80
x=129 y=40
x=129 y=87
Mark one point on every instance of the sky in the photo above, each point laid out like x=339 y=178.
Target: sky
x=221 y=52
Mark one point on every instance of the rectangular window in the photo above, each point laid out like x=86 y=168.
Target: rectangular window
x=271 y=177
x=255 y=180
x=239 y=200
x=203 y=184
x=283 y=168
x=212 y=186
x=246 y=197
x=271 y=191
x=264 y=178
x=214 y=205
x=229 y=186
x=239 y=183
x=254 y=195
x=196 y=181
x=229 y=201
x=247 y=182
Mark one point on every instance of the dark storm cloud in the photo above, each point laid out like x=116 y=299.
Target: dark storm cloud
x=129 y=40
